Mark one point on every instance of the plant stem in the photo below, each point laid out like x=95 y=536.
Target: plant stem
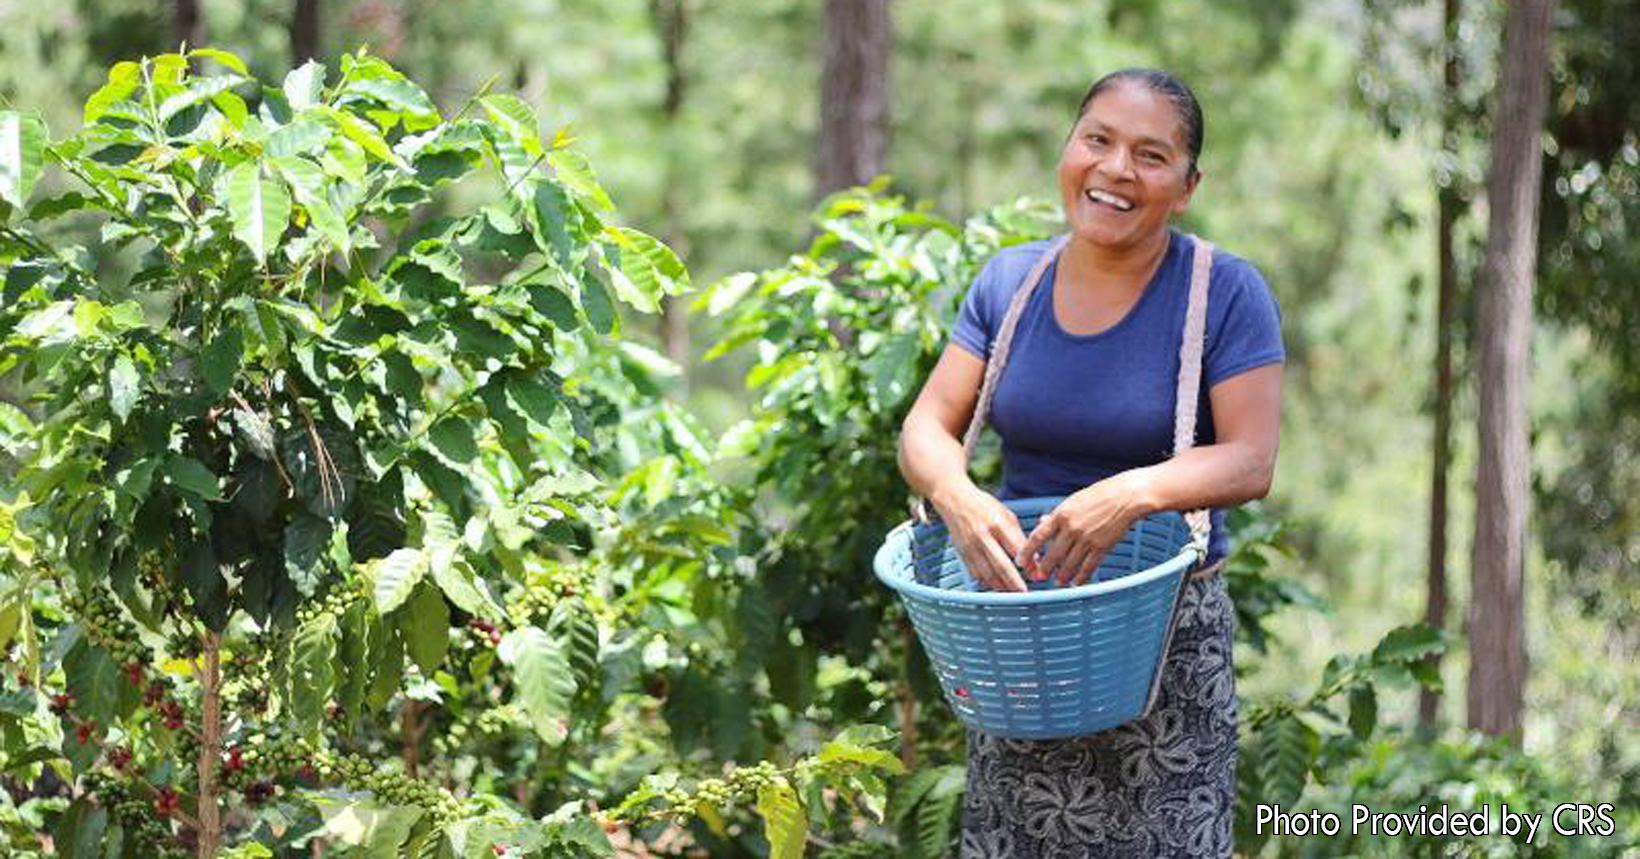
x=210 y=748
x=908 y=703
x=410 y=731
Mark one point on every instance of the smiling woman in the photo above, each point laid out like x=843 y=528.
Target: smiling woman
x=1085 y=406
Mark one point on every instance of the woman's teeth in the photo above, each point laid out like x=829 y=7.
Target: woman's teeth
x=1111 y=200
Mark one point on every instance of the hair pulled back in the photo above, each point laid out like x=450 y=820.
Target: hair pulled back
x=1167 y=86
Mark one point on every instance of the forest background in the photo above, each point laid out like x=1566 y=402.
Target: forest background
x=1339 y=149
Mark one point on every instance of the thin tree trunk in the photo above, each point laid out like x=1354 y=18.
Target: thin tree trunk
x=853 y=145
x=1497 y=641
x=187 y=25
x=304 y=32
x=908 y=702
x=671 y=20
x=410 y=731
x=1429 y=700
x=210 y=747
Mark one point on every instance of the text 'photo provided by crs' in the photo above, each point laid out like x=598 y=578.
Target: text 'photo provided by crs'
x=1567 y=819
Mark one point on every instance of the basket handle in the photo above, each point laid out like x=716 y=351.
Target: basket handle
x=1190 y=366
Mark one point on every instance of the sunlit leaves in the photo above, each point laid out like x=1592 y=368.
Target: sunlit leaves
x=308 y=181
x=545 y=684
x=123 y=386
x=259 y=207
x=304 y=85
x=22 y=155
x=516 y=118
x=123 y=79
x=227 y=59
x=396 y=576
x=647 y=270
x=785 y=822
x=573 y=169
x=312 y=671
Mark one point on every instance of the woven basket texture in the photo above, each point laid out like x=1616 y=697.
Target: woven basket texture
x=1053 y=662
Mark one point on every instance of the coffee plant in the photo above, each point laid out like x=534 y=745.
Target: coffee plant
x=326 y=471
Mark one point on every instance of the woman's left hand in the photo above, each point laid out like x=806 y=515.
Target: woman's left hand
x=1079 y=532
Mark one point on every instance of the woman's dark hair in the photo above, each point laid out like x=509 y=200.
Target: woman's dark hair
x=1165 y=85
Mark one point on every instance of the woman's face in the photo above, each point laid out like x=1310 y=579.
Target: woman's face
x=1126 y=168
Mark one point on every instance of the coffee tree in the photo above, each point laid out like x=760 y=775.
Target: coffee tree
x=316 y=470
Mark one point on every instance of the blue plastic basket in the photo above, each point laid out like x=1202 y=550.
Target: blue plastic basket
x=1052 y=662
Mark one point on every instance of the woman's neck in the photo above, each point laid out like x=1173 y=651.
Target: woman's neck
x=1085 y=262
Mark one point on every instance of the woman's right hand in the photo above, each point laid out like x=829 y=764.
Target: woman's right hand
x=986 y=534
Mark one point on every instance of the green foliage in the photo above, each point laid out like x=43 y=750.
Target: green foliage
x=308 y=391
x=1288 y=743
x=841 y=337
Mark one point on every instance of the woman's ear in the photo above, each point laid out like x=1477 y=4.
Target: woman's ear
x=1190 y=184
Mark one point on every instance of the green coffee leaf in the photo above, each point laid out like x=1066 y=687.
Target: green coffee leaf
x=259 y=208
x=558 y=308
x=395 y=576
x=308 y=181
x=93 y=681
x=535 y=400
x=397 y=95
x=123 y=79
x=301 y=136
x=190 y=475
x=1363 y=711
x=229 y=60
x=892 y=369
x=515 y=117
x=595 y=300
x=202 y=576
x=22 y=155
x=124 y=386
x=544 y=680
x=784 y=822
x=220 y=362
x=573 y=169
x=378 y=829
x=425 y=624
x=304 y=85
x=312 y=667
x=453 y=438
x=307 y=539
x=198 y=90
x=1408 y=644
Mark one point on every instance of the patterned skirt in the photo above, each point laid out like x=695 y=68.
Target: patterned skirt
x=1163 y=785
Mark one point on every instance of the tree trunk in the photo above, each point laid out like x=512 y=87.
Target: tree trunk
x=304 y=32
x=671 y=21
x=1429 y=700
x=187 y=25
x=853 y=95
x=209 y=810
x=1497 y=642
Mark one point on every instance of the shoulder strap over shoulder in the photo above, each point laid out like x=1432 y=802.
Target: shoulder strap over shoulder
x=1005 y=341
x=1191 y=347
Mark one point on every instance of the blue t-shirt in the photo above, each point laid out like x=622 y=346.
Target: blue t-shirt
x=1075 y=409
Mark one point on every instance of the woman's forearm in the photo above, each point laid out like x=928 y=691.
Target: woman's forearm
x=931 y=459
x=1215 y=475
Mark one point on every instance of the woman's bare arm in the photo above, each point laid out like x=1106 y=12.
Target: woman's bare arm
x=986 y=534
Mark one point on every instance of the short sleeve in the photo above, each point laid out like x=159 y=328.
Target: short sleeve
x=976 y=324
x=1244 y=322
x=987 y=301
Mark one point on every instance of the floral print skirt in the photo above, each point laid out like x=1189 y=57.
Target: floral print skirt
x=1160 y=786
